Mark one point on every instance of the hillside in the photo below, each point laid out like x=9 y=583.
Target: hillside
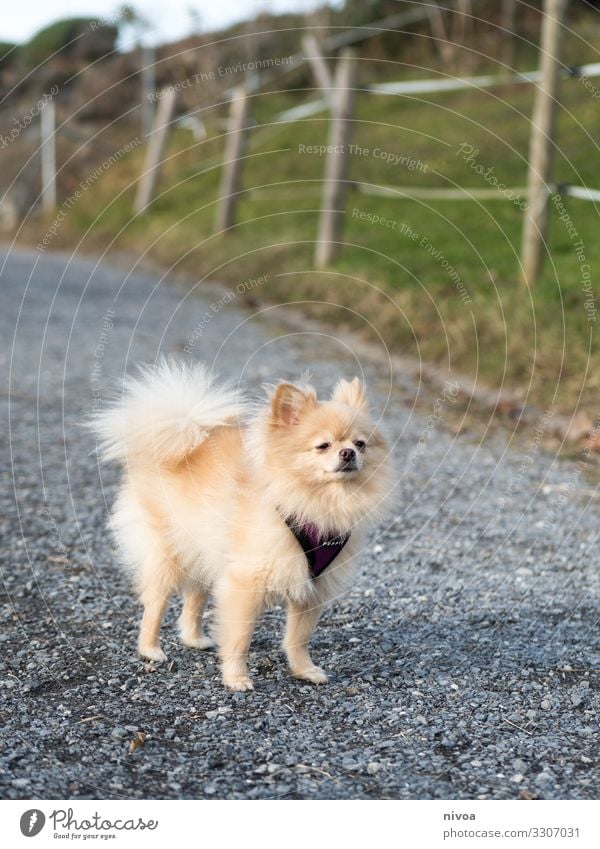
x=438 y=279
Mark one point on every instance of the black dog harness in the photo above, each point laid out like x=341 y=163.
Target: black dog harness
x=320 y=551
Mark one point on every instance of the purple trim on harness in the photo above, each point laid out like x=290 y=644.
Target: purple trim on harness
x=320 y=551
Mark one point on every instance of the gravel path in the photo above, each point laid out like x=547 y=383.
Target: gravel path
x=464 y=664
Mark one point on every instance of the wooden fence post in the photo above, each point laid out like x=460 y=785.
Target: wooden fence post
x=445 y=47
x=231 y=176
x=336 y=165
x=48 y=154
x=509 y=38
x=319 y=67
x=148 y=82
x=154 y=149
x=541 y=144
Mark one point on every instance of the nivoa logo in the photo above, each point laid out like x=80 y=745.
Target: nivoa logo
x=32 y=822
x=459 y=815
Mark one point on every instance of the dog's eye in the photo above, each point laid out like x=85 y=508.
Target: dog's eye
x=323 y=446
x=360 y=444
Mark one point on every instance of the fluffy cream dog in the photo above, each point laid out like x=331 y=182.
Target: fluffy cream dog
x=257 y=506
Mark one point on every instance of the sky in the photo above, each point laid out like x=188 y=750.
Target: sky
x=171 y=19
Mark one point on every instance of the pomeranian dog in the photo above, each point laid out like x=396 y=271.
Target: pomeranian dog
x=257 y=505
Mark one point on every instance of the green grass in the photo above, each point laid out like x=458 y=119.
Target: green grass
x=537 y=341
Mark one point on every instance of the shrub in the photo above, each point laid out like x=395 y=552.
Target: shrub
x=74 y=37
x=8 y=54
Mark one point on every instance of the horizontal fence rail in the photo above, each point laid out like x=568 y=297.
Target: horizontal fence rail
x=465 y=193
x=433 y=85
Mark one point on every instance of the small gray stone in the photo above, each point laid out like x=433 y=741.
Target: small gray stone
x=119 y=733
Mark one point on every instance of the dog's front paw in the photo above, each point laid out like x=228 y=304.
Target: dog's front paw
x=154 y=653
x=314 y=674
x=202 y=642
x=238 y=683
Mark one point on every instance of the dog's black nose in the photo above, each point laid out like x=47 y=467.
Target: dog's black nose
x=347 y=454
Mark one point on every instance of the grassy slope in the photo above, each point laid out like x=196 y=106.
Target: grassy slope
x=506 y=334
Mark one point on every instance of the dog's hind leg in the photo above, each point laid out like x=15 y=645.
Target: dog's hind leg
x=194 y=602
x=156 y=584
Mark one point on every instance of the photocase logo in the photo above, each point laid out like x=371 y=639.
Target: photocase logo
x=32 y=822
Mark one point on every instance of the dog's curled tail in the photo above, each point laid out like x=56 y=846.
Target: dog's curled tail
x=165 y=413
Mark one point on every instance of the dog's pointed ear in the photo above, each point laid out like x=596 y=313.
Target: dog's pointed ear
x=289 y=402
x=350 y=392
